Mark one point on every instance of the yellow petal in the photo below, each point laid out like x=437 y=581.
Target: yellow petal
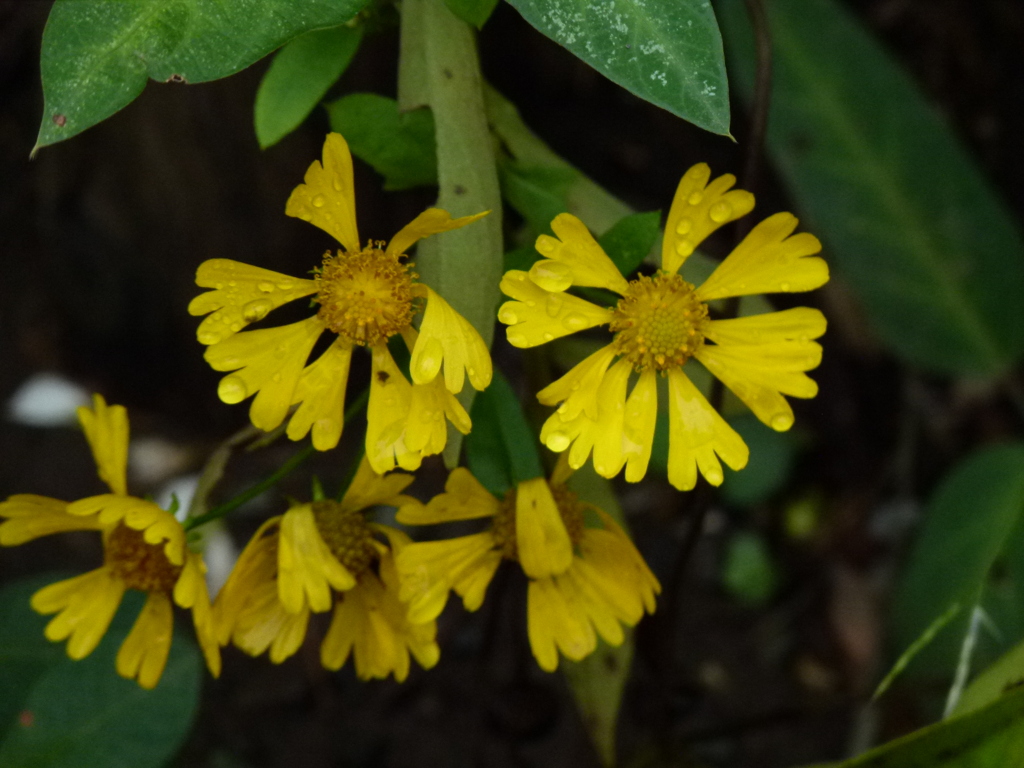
x=767 y=261
x=143 y=654
x=264 y=623
x=255 y=568
x=638 y=428
x=538 y=316
x=555 y=619
x=242 y=294
x=327 y=199
x=106 y=429
x=346 y=626
x=464 y=498
x=447 y=337
x=760 y=374
x=426 y=431
x=576 y=248
x=428 y=570
x=798 y=324
x=430 y=222
x=267 y=363
x=610 y=440
x=696 y=434
x=369 y=489
x=321 y=392
x=698 y=209
x=543 y=542
x=190 y=592
x=613 y=545
x=29 y=517
x=307 y=569
x=578 y=388
x=85 y=606
x=387 y=414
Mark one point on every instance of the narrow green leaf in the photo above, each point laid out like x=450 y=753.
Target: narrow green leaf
x=904 y=211
x=81 y=713
x=1001 y=677
x=97 y=54
x=665 y=51
x=475 y=12
x=502 y=449
x=915 y=648
x=973 y=520
x=771 y=460
x=749 y=573
x=298 y=78
x=632 y=238
x=537 y=192
x=399 y=146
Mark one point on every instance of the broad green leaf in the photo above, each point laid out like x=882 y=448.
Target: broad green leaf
x=475 y=12
x=749 y=573
x=771 y=459
x=1001 y=677
x=631 y=239
x=904 y=212
x=399 y=145
x=464 y=265
x=98 y=54
x=992 y=737
x=81 y=713
x=298 y=78
x=665 y=51
x=538 y=192
x=598 y=681
x=502 y=449
x=973 y=521
x=520 y=258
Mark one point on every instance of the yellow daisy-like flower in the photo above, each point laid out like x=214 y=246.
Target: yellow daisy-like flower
x=583 y=581
x=144 y=549
x=660 y=323
x=365 y=295
x=322 y=556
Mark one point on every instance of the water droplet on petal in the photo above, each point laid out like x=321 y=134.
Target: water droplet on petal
x=232 y=390
x=575 y=321
x=306 y=216
x=319 y=201
x=685 y=225
x=553 y=305
x=337 y=185
x=548 y=336
x=219 y=286
x=720 y=212
x=551 y=275
x=429 y=357
x=516 y=339
x=558 y=441
x=783 y=286
x=428 y=416
x=507 y=315
x=684 y=248
x=236 y=327
x=545 y=245
x=256 y=309
x=781 y=422
x=714 y=475
x=208 y=336
x=695 y=198
x=266 y=287
x=276 y=377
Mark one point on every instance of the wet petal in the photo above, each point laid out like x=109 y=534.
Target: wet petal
x=638 y=427
x=428 y=570
x=321 y=392
x=327 y=199
x=29 y=517
x=574 y=247
x=386 y=416
x=143 y=654
x=430 y=222
x=368 y=488
x=106 y=429
x=556 y=620
x=85 y=606
x=538 y=316
x=577 y=389
x=255 y=568
x=426 y=431
x=307 y=569
x=543 y=542
x=464 y=498
x=447 y=337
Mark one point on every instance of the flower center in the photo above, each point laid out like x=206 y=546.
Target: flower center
x=347 y=534
x=138 y=563
x=504 y=525
x=365 y=297
x=659 y=323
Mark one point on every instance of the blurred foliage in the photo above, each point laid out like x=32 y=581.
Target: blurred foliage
x=749 y=572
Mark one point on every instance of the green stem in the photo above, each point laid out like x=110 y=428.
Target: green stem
x=269 y=482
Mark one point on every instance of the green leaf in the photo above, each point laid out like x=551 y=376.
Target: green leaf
x=905 y=213
x=399 y=145
x=665 y=51
x=475 y=12
x=298 y=78
x=97 y=54
x=520 y=258
x=974 y=520
x=749 y=573
x=502 y=448
x=631 y=239
x=771 y=460
x=1002 y=676
x=992 y=737
x=82 y=713
x=537 y=192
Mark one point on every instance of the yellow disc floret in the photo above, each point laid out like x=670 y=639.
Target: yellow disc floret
x=504 y=525
x=659 y=323
x=347 y=534
x=140 y=565
x=365 y=297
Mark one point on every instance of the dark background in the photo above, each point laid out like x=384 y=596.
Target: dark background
x=100 y=237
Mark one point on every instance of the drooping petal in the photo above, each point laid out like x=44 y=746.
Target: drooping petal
x=696 y=434
x=327 y=199
x=541 y=537
x=143 y=654
x=638 y=427
x=268 y=363
x=447 y=337
x=577 y=389
x=241 y=294
x=538 y=316
x=387 y=414
x=307 y=569
x=368 y=489
x=428 y=570
x=430 y=222
x=573 y=257
x=698 y=209
x=321 y=392
x=85 y=606
x=768 y=261
x=255 y=568
x=464 y=498
x=190 y=592
x=264 y=623
x=426 y=431
x=556 y=621
x=106 y=429
x=29 y=517
x=612 y=554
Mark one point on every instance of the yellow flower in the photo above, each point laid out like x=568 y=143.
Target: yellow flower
x=365 y=296
x=583 y=581
x=144 y=549
x=326 y=555
x=660 y=323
